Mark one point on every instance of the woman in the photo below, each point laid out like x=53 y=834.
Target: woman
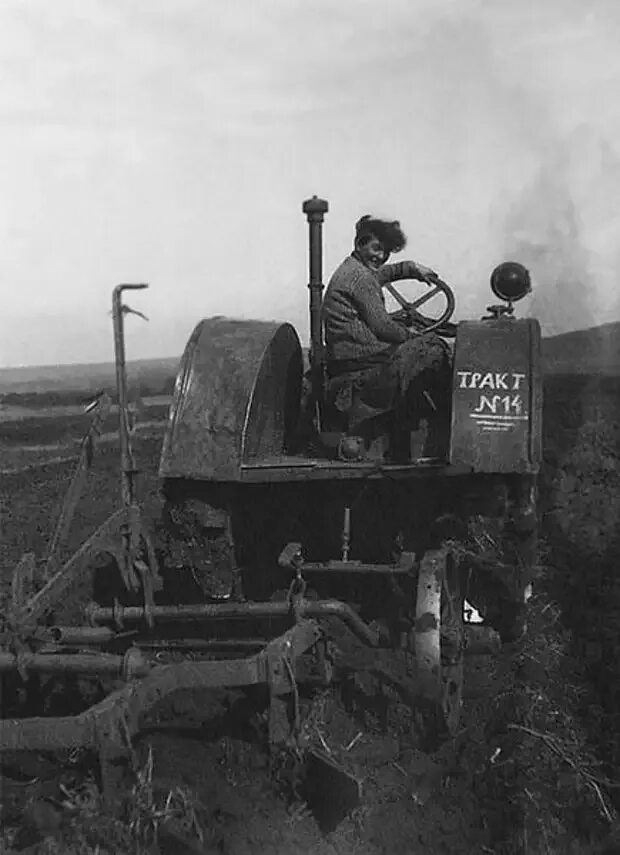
x=375 y=365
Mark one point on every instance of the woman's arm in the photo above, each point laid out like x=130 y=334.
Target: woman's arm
x=403 y=270
x=367 y=300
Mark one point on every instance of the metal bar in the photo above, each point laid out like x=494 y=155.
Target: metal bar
x=307 y=608
x=346 y=535
x=74 y=663
x=355 y=567
x=349 y=471
x=164 y=644
x=336 y=608
x=80 y=634
x=127 y=461
x=84 y=635
x=237 y=578
x=102 y=614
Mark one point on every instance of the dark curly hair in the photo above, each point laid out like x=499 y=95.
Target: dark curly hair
x=388 y=232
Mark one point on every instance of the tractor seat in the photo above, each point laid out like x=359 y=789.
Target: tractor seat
x=347 y=435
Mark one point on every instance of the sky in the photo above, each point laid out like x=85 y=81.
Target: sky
x=173 y=142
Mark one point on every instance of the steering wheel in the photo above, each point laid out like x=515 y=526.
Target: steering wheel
x=421 y=323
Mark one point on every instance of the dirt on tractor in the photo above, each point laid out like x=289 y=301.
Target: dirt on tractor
x=523 y=775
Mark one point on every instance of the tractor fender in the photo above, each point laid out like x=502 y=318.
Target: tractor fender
x=236 y=399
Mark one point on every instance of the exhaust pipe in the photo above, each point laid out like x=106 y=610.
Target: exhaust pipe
x=315 y=210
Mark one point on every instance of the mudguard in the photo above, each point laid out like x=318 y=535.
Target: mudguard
x=497 y=396
x=236 y=399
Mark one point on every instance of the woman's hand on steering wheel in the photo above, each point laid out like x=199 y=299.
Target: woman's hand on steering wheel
x=402 y=316
x=425 y=274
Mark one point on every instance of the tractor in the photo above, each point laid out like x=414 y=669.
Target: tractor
x=331 y=520
x=285 y=534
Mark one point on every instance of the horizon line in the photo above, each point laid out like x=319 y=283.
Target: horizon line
x=168 y=358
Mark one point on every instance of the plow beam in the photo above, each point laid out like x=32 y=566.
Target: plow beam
x=111 y=724
x=306 y=608
x=76 y=663
x=104 y=722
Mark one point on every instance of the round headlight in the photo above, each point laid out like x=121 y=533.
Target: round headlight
x=510 y=281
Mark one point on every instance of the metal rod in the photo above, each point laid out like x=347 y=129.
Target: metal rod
x=237 y=579
x=356 y=567
x=127 y=462
x=81 y=634
x=203 y=644
x=346 y=534
x=74 y=663
x=78 y=635
x=307 y=608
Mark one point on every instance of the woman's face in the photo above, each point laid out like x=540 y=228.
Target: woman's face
x=373 y=254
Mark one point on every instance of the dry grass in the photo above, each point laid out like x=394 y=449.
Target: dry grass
x=149 y=810
x=541 y=754
x=82 y=823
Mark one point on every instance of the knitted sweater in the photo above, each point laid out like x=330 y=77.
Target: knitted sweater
x=355 y=320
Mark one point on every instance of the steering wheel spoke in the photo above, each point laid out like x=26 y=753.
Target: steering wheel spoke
x=425 y=297
x=428 y=324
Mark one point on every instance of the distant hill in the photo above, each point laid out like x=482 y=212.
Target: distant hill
x=149 y=375
x=589 y=351
x=84 y=378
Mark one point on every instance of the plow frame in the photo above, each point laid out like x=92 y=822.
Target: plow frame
x=109 y=726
